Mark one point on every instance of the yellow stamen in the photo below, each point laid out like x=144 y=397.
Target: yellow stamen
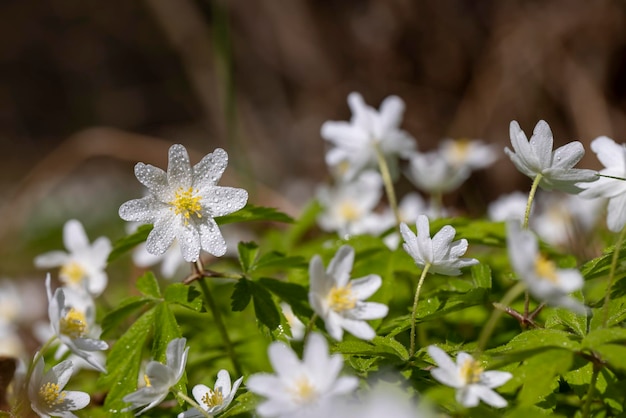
x=51 y=394
x=146 y=379
x=73 y=324
x=304 y=391
x=186 y=204
x=459 y=150
x=341 y=298
x=471 y=371
x=213 y=398
x=72 y=273
x=349 y=211
x=546 y=269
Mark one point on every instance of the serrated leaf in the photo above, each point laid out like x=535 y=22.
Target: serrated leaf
x=390 y=345
x=616 y=314
x=123 y=363
x=600 y=266
x=264 y=307
x=603 y=336
x=183 y=295
x=254 y=213
x=148 y=285
x=294 y=294
x=243 y=403
x=538 y=375
x=113 y=319
x=248 y=252
x=574 y=322
x=614 y=354
x=127 y=243
x=540 y=339
x=380 y=346
x=241 y=296
x=165 y=330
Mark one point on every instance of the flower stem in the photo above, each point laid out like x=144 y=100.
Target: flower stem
x=193 y=403
x=309 y=326
x=590 y=392
x=607 y=296
x=531 y=197
x=388 y=182
x=488 y=329
x=217 y=316
x=414 y=312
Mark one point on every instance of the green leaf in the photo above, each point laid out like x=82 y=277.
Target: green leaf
x=241 y=295
x=123 y=364
x=386 y=347
x=127 y=243
x=574 y=322
x=390 y=345
x=540 y=339
x=112 y=320
x=243 y=403
x=614 y=354
x=603 y=336
x=616 y=314
x=248 y=252
x=254 y=213
x=295 y=295
x=183 y=295
x=264 y=307
x=148 y=285
x=481 y=275
x=276 y=259
x=165 y=330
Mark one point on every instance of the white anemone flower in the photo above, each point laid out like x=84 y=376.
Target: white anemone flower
x=349 y=206
x=543 y=279
x=159 y=377
x=182 y=203
x=432 y=172
x=509 y=206
x=296 y=326
x=83 y=266
x=339 y=301
x=470 y=153
x=440 y=253
x=46 y=394
x=535 y=157
x=300 y=387
x=71 y=326
x=355 y=142
x=613 y=157
x=213 y=401
x=468 y=377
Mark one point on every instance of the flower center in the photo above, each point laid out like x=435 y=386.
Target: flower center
x=304 y=391
x=51 y=395
x=186 y=204
x=146 y=380
x=341 y=298
x=213 y=398
x=73 y=324
x=546 y=269
x=471 y=371
x=349 y=211
x=72 y=273
x=459 y=151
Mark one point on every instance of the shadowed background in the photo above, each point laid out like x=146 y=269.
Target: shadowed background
x=88 y=88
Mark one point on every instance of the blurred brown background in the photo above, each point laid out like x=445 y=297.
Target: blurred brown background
x=90 y=87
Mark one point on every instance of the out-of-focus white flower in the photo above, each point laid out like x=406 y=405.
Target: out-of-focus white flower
x=296 y=326
x=535 y=157
x=183 y=202
x=561 y=218
x=83 y=266
x=299 y=387
x=473 y=154
x=11 y=303
x=509 y=206
x=213 y=401
x=471 y=382
x=439 y=252
x=355 y=142
x=46 y=394
x=339 y=301
x=409 y=208
x=613 y=157
x=433 y=173
x=10 y=342
x=349 y=206
x=543 y=279
x=71 y=326
x=159 y=377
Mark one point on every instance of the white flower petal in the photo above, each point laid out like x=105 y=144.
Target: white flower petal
x=488 y=396
x=152 y=177
x=365 y=287
x=178 y=167
x=210 y=169
x=51 y=259
x=359 y=329
x=74 y=236
x=495 y=378
x=541 y=143
x=341 y=265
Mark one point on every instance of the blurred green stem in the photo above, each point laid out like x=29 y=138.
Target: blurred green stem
x=590 y=392
x=414 y=312
x=488 y=329
x=386 y=174
x=614 y=260
x=531 y=197
x=219 y=322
